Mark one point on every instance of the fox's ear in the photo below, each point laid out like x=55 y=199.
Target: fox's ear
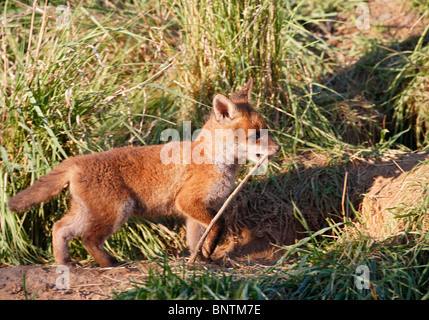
x=223 y=107
x=248 y=89
x=245 y=94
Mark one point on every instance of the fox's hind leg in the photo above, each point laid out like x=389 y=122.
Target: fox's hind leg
x=102 y=225
x=70 y=226
x=93 y=240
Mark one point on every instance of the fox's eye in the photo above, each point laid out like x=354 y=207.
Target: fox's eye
x=258 y=134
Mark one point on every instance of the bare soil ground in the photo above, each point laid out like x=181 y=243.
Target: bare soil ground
x=84 y=283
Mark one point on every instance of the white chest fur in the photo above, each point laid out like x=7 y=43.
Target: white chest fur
x=221 y=189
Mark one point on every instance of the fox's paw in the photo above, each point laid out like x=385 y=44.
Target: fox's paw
x=69 y=264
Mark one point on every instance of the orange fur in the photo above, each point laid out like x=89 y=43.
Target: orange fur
x=107 y=188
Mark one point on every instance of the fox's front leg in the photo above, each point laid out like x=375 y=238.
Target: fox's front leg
x=198 y=213
x=194 y=232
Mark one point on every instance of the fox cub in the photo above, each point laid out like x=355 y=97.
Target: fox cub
x=107 y=188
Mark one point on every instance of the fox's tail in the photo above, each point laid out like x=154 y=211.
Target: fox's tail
x=43 y=190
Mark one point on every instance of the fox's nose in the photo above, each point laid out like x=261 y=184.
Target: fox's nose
x=274 y=147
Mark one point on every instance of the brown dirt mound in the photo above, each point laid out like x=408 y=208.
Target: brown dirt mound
x=381 y=190
x=387 y=207
x=266 y=216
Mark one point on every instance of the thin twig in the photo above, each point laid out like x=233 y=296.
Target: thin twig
x=222 y=209
x=345 y=214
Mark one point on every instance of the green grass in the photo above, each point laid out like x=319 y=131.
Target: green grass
x=166 y=283
x=316 y=270
x=126 y=70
